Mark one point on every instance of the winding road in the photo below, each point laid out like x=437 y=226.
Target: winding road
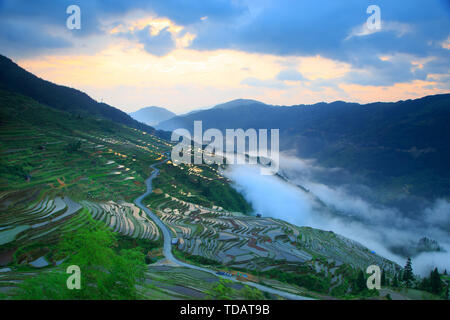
x=167 y=248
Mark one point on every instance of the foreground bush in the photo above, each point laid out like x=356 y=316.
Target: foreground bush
x=106 y=272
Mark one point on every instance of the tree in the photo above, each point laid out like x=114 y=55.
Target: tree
x=360 y=281
x=221 y=291
x=395 y=281
x=105 y=273
x=408 y=275
x=436 y=285
x=400 y=276
x=425 y=284
x=252 y=293
x=383 y=278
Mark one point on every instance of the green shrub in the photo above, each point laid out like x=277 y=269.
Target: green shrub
x=106 y=272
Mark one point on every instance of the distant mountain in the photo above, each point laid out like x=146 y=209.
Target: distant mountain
x=237 y=103
x=152 y=115
x=398 y=146
x=423 y=245
x=172 y=123
x=213 y=115
x=13 y=78
x=195 y=111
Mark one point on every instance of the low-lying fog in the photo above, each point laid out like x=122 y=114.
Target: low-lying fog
x=331 y=199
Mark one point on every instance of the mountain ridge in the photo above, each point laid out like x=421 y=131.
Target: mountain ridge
x=400 y=144
x=152 y=115
x=16 y=79
x=237 y=103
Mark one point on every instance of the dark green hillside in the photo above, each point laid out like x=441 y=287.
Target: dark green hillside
x=57 y=172
x=204 y=186
x=63 y=154
x=401 y=146
x=14 y=78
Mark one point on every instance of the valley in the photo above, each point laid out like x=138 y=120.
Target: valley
x=70 y=176
x=58 y=177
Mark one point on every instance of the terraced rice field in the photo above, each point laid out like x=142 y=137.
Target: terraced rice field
x=248 y=242
x=124 y=218
x=34 y=218
x=37 y=217
x=31 y=226
x=67 y=155
x=57 y=170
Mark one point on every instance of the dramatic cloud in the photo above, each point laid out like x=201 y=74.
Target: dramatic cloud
x=301 y=51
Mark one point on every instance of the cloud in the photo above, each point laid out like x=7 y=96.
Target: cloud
x=446 y=43
x=19 y=36
x=273 y=27
x=340 y=207
x=298 y=28
x=268 y=83
x=160 y=44
x=289 y=75
x=427 y=261
x=261 y=50
x=397 y=69
x=49 y=18
x=438 y=214
x=398 y=28
x=337 y=31
x=270 y=196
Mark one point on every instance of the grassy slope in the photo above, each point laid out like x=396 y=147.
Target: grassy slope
x=36 y=141
x=206 y=187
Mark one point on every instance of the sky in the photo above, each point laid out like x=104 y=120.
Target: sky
x=186 y=54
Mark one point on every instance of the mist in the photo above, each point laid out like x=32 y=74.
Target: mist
x=305 y=194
